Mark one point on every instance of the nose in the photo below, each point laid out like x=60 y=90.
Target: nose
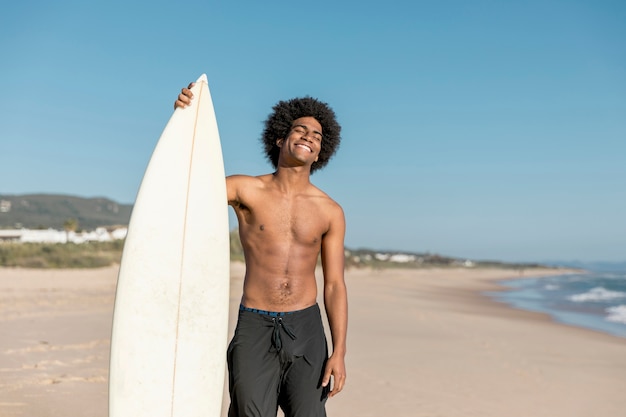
x=307 y=136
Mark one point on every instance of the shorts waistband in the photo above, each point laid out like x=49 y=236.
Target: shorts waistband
x=270 y=313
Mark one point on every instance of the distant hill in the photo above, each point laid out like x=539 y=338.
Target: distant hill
x=52 y=211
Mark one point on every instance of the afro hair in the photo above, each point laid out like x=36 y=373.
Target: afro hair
x=278 y=125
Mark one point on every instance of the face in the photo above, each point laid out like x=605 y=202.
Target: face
x=304 y=140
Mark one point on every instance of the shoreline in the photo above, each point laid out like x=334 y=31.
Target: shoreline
x=454 y=351
x=420 y=343
x=535 y=297
x=493 y=280
x=538 y=315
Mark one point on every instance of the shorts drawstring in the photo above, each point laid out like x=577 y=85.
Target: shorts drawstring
x=276 y=339
x=277 y=323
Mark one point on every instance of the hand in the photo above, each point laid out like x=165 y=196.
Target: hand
x=336 y=367
x=184 y=98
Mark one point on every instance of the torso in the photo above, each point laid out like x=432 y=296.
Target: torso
x=281 y=234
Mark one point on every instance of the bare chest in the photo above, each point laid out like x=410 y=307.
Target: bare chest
x=299 y=220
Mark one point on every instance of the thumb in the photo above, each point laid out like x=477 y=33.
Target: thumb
x=326 y=378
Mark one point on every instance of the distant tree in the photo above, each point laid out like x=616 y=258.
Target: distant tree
x=70 y=225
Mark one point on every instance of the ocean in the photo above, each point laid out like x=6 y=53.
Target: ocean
x=595 y=300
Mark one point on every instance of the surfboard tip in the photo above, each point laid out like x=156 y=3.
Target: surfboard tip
x=202 y=79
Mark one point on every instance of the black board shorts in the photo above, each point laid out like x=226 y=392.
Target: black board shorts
x=278 y=359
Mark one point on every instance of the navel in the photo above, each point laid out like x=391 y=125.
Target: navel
x=262 y=227
x=285 y=290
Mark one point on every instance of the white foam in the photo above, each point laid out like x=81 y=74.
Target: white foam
x=551 y=287
x=617 y=314
x=597 y=294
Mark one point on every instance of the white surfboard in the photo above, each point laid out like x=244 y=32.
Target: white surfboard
x=168 y=347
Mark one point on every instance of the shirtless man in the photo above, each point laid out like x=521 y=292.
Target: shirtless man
x=278 y=355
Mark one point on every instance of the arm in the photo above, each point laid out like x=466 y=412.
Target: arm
x=335 y=300
x=234 y=186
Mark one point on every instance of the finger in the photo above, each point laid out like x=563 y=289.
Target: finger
x=326 y=378
x=185 y=92
x=335 y=389
x=184 y=99
x=338 y=383
x=191 y=84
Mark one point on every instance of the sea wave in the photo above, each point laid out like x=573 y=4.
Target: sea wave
x=617 y=314
x=597 y=294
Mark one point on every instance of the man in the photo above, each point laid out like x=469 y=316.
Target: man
x=278 y=355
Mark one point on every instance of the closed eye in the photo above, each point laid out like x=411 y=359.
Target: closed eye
x=303 y=129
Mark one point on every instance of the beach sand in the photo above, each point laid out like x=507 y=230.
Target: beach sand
x=420 y=343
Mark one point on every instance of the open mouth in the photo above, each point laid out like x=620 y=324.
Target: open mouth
x=305 y=147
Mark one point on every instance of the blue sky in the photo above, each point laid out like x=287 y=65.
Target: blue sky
x=479 y=129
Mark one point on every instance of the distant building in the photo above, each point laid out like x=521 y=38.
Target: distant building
x=402 y=258
x=10 y=235
x=382 y=256
x=5 y=206
x=100 y=234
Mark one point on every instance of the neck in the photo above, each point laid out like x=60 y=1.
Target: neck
x=293 y=178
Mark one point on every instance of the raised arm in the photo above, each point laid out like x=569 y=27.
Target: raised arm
x=335 y=299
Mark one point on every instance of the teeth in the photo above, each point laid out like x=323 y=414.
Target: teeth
x=306 y=147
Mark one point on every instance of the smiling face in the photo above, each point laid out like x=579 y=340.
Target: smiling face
x=303 y=142
x=280 y=123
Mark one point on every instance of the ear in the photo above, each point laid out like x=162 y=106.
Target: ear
x=279 y=142
x=316 y=158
